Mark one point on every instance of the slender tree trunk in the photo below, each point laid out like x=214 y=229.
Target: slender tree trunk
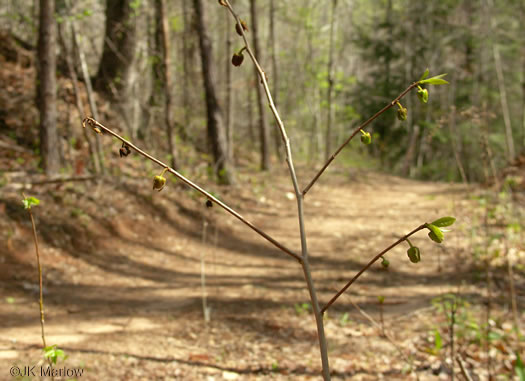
x=162 y=18
x=523 y=79
x=78 y=99
x=216 y=130
x=264 y=132
x=453 y=132
x=328 y=142
x=47 y=88
x=119 y=49
x=502 y=88
x=275 y=76
x=89 y=90
x=251 y=118
x=229 y=93
x=186 y=64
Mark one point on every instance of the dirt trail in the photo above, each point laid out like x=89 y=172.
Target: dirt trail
x=127 y=304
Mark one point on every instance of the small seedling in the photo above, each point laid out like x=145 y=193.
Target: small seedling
x=52 y=353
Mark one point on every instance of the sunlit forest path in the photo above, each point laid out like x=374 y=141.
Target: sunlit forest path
x=125 y=296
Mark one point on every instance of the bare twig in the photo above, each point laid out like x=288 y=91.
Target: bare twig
x=299 y=197
x=372 y=261
x=356 y=131
x=94 y=124
x=463 y=369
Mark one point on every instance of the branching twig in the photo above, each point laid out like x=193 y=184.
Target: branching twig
x=299 y=197
x=356 y=131
x=463 y=369
x=372 y=261
x=94 y=124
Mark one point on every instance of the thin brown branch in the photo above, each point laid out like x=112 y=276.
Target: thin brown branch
x=372 y=261
x=94 y=124
x=361 y=127
x=463 y=368
x=300 y=200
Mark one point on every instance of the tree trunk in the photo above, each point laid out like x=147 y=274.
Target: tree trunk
x=119 y=50
x=502 y=88
x=264 y=132
x=186 y=55
x=216 y=130
x=78 y=99
x=46 y=91
x=162 y=19
x=229 y=93
x=523 y=80
x=328 y=142
x=275 y=77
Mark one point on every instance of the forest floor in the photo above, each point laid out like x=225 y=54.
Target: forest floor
x=123 y=296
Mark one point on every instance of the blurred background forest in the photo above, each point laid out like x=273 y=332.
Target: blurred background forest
x=331 y=65
x=124 y=265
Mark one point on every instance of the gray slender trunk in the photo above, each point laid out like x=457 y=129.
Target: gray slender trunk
x=275 y=77
x=230 y=95
x=46 y=91
x=264 y=133
x=328 y=143
x=511 y=153
x=216 y=130
x=162 y=18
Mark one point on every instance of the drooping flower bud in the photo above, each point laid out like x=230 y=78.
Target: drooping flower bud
x=238 y=27
x=237 y=58
x=365 y=137
x=209 y=204
x=402 y=112
x=414 y=254
x=159 y=181
x=422 y=95
x=124 y=150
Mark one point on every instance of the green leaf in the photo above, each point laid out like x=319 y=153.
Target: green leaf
x=438 y=343
x=425 y=74
x=437 y=80
x=444 y=221
x=435 y=234
x=519 y=368
x=30 y=201
x=53 y=353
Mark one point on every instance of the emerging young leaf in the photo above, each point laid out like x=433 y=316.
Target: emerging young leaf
x=385 y=262
x=437 y=80
x=435 y=233
x=30 y=201
x=425 y=74
x=444 y=221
